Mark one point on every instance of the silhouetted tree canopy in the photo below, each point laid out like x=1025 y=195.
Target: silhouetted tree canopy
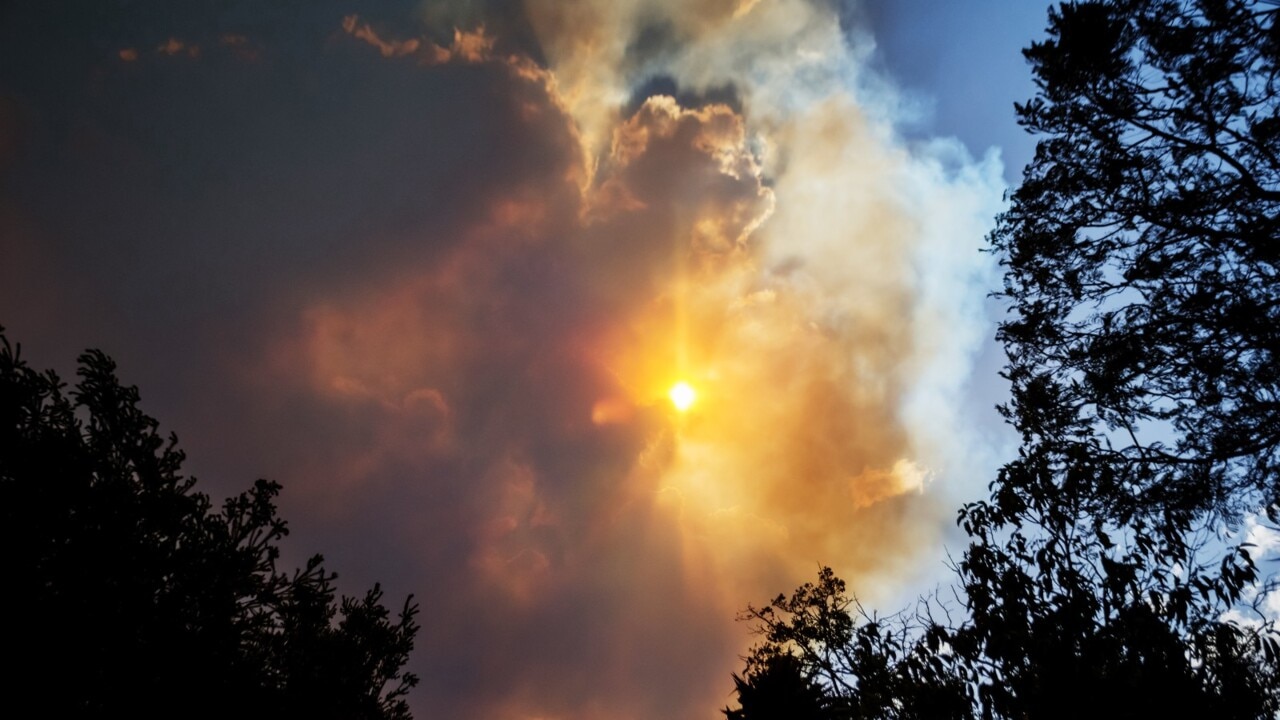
x=126 y=593
x=1141 y=254
x=861 y=665
x=778 y=689
x=1050 y=637
x=1140 y=259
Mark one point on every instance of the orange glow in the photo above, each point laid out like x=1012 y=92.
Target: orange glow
x=682 y=396
x=797 y=340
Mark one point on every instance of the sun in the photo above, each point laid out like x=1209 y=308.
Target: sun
x=682 y=395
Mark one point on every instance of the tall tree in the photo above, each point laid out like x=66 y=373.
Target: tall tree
x=127 y=593
x=1141 y=254
x=1141 y=273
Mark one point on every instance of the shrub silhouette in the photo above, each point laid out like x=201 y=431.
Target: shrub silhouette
x=127 y=592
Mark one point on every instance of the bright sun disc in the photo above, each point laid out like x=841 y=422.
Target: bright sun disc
x=682 y=396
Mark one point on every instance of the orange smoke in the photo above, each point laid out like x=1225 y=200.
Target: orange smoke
x=779 y=269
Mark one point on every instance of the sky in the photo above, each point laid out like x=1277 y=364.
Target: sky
x=435 y=267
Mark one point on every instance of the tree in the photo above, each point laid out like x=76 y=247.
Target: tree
x=1064 y=642
x=1141 y=274
x=127 y=593
x=778 y=689
x=1141 y=255
x=820 y=641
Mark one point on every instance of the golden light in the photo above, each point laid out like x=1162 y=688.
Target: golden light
x=682 y=395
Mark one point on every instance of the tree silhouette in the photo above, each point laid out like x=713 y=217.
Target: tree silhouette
x=1141 y=256
x=127 y=593
x=1141 y=273
x=862 y=666
x=778 y=689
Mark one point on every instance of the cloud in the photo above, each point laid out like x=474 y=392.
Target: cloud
x=439 y=281
x=817 y=280
x=388 y=48
x=468 y=46
x=174 y=46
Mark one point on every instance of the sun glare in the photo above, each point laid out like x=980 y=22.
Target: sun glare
x=682 y=395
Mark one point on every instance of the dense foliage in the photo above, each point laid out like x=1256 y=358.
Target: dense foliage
x=1141 y=275
x=127 y=593
x=1141 y=254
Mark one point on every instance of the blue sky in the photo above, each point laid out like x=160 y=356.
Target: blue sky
x=965 y=60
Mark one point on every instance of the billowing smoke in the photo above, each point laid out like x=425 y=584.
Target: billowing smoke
x=766 y=239
x=443 y=280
